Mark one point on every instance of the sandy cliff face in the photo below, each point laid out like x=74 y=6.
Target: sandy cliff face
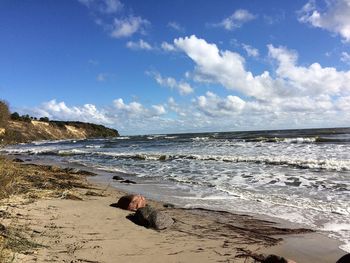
x=20 y=131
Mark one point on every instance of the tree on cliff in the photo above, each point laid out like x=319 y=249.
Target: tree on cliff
x=4 y=114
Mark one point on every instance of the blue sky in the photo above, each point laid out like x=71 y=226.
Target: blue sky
x=178 y=66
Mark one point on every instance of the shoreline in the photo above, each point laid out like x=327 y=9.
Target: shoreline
x=198 y=234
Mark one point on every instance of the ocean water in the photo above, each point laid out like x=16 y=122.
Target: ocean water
x=302 y=176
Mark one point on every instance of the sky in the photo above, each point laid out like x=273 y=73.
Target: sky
x=165 y=66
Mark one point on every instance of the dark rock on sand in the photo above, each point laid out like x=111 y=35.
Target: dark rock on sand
x=78 y=171
x=168 y=205
x=153 y=218
x=276 y=259
x=117 y=178
x=2 y=228
x=131 y=202
x=344 y=259
x=17 y=160
x=128 y=182
x=142 y=215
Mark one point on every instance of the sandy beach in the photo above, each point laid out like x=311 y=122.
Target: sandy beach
x=75 y=221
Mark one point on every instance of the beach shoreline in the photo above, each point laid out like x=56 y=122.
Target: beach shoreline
x=88 y=229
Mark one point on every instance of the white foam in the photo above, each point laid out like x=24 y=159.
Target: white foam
x=300 y=140
x=93 y=146
x=345 y=247
x=200 y=138
x=336 y=227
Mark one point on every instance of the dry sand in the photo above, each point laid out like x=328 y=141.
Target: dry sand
x=91 y=230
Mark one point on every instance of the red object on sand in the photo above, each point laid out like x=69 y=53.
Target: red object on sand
x=131 y=202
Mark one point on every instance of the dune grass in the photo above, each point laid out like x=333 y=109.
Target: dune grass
x=9 y=177
x=30 y=182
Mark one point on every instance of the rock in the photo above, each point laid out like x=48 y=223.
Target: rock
x=168 y=205
x=87 y=173
x=274 y=259
x=128 y=182
x=142 y=215
x=131 y=202
x=344 y=259
x=150 y=217
x=2 y=228
x=160 y=220
x=117 y=178
x=78 y=171
x=17 y=160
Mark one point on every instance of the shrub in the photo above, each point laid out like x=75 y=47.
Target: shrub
x=15 y=116
x=45 y=119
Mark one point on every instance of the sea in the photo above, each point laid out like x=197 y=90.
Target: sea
x=302 y=176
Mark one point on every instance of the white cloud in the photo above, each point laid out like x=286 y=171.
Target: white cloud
x=176 y=26
x=182 y=87
x=214 y=106
x=159 y=109
x=225 y=67
x=140 y=45
x=125 y=27
x=173 y=106
x=311 y=80
x=131 y=108
x=60 y=111
x=251 y=51
x=236 y=20
x=103 y=6
x=167 y=47
x=345 y=57
x=228 y=69
x=136 y=109
x=335 y=18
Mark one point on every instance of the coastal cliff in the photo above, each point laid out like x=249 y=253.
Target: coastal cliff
x=34 y=130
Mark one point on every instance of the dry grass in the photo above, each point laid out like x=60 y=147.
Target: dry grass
x=30 y=182
x=9 y=177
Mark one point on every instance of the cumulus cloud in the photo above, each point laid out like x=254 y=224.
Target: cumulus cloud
x=182 y=87
x=311 y=80
x=228 y=69
x=236 y=20
x=131 y=108
x=212 y=105
x=335 y=18
x=103 y=6
x=137 y=109
x=139 y=45
x=251 y=51
x=60 y=111
x=126 y=27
